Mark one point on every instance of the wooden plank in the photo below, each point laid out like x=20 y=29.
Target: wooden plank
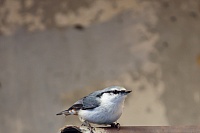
x=139 y=129
x=155 y=129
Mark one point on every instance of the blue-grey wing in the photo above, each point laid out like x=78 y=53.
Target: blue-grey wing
x=90 y=102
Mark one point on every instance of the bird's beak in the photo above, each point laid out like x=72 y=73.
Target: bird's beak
x=128 y=91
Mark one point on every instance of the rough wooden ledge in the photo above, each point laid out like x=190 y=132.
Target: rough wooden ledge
x=156 y=129
x=140 y=129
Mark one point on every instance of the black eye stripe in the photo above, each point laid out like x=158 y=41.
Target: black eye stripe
x=111 y=92
x=115 y=91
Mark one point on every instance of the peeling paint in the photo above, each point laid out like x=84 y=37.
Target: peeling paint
x=10 y=16
x=40 y=15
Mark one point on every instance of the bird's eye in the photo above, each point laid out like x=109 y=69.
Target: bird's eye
x=115 y=91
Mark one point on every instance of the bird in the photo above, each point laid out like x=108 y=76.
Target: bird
x=102 y=107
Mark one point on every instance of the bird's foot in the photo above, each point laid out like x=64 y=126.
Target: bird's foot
x=115 y=125
x=89 y=127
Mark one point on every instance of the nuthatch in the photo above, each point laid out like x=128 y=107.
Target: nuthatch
x=103 y=107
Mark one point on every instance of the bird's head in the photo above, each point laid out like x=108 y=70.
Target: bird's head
x=113 y=94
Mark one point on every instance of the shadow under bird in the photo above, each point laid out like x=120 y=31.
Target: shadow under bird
x=103 y=107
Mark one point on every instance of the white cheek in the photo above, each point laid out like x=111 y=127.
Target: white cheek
x=105 y=97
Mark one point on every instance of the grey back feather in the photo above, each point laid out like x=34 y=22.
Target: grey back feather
x=89 y=102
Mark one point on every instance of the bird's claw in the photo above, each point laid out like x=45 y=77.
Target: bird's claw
x=115 y=125
x=89 y=127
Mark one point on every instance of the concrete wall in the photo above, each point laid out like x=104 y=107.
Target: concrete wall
x=55 y=52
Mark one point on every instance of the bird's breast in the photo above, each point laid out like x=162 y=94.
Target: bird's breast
x=106 y=113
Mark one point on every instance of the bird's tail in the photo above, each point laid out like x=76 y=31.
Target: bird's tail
x=65 y=112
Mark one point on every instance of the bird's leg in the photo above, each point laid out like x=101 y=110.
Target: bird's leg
x=87 y=124
x=115 y=125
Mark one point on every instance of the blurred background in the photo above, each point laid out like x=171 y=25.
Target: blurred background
x=54 y=52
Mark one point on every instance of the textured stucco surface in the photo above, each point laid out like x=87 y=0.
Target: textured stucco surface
x=36 y=15
x=179 y=58
x=55 y=52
